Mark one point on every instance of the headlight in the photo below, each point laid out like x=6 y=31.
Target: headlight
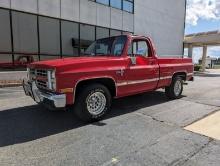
x=53 y=85
x=51 y=75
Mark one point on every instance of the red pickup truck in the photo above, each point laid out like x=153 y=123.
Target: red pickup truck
x=110 y=68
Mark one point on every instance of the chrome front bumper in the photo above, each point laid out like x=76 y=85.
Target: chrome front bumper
x=50 y=100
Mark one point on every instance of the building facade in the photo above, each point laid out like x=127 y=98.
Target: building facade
x=33 y=30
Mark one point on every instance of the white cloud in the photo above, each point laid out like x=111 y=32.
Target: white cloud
x=202 y=9
x=214 y=51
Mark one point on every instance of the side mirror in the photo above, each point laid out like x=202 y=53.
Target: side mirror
x=133 y=60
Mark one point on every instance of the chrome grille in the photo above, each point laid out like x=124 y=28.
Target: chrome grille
x=38 y=72
x=41 y=84
x=42 y=73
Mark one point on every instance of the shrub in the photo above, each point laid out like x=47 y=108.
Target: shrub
x=197 y=67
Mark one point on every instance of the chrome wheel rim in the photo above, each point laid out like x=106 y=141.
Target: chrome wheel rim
x=96 y=103
x=177 y=88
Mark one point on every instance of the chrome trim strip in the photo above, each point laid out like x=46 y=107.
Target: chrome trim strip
x=122 y=84
x=165 y=78
x=142 y=81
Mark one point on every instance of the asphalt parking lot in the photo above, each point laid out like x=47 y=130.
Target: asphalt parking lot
x=146 y=129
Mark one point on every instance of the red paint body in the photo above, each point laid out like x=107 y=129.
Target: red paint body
x=148 y=74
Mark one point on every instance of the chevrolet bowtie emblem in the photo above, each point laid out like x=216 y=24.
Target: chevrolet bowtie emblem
x=121 y=72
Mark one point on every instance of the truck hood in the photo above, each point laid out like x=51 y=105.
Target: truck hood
x=76 y=63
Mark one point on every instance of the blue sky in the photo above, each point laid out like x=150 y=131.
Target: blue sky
x=203 y=16
x=203 y=26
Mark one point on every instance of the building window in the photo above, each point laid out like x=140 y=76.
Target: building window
x=25 y=32
x=44 y=37
x=105 y=2
x=22 y=60
x=128 y=5
x=102 y=33
x=87 y=36
x=5 y=40
x=115 y=32
x=6 y=62
x=70 y=38
x=5 y=33
x=49 y=30
x=24 y=28
x=116 y=3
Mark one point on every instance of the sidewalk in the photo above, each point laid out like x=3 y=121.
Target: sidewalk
x=208 y=73
x=12 y=78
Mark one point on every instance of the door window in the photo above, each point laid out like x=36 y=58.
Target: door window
x=139 y=48
x=119 y=45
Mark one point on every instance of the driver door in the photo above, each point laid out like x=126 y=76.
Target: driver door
x=143 y=70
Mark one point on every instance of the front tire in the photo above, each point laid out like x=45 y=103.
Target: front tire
x=93 y=102
x=174 y=91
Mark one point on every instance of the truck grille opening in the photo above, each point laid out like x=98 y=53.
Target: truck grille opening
x=38 y=72
x=42 y=73
x=41 y=84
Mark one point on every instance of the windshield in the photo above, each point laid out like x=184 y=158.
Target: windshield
x=107 y=46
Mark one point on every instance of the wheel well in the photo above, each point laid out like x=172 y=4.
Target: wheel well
x=180 y=74
x=107 y=82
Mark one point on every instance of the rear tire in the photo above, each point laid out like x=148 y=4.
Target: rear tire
x=174 y=91
x=93 y=102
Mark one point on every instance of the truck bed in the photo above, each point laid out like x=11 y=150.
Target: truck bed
x=170 y=65
x=174 y=60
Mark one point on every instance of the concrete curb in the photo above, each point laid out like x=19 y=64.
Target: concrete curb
x=200 y=74
x=10 y=85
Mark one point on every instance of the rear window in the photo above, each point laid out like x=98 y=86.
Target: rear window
x=107 y=46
